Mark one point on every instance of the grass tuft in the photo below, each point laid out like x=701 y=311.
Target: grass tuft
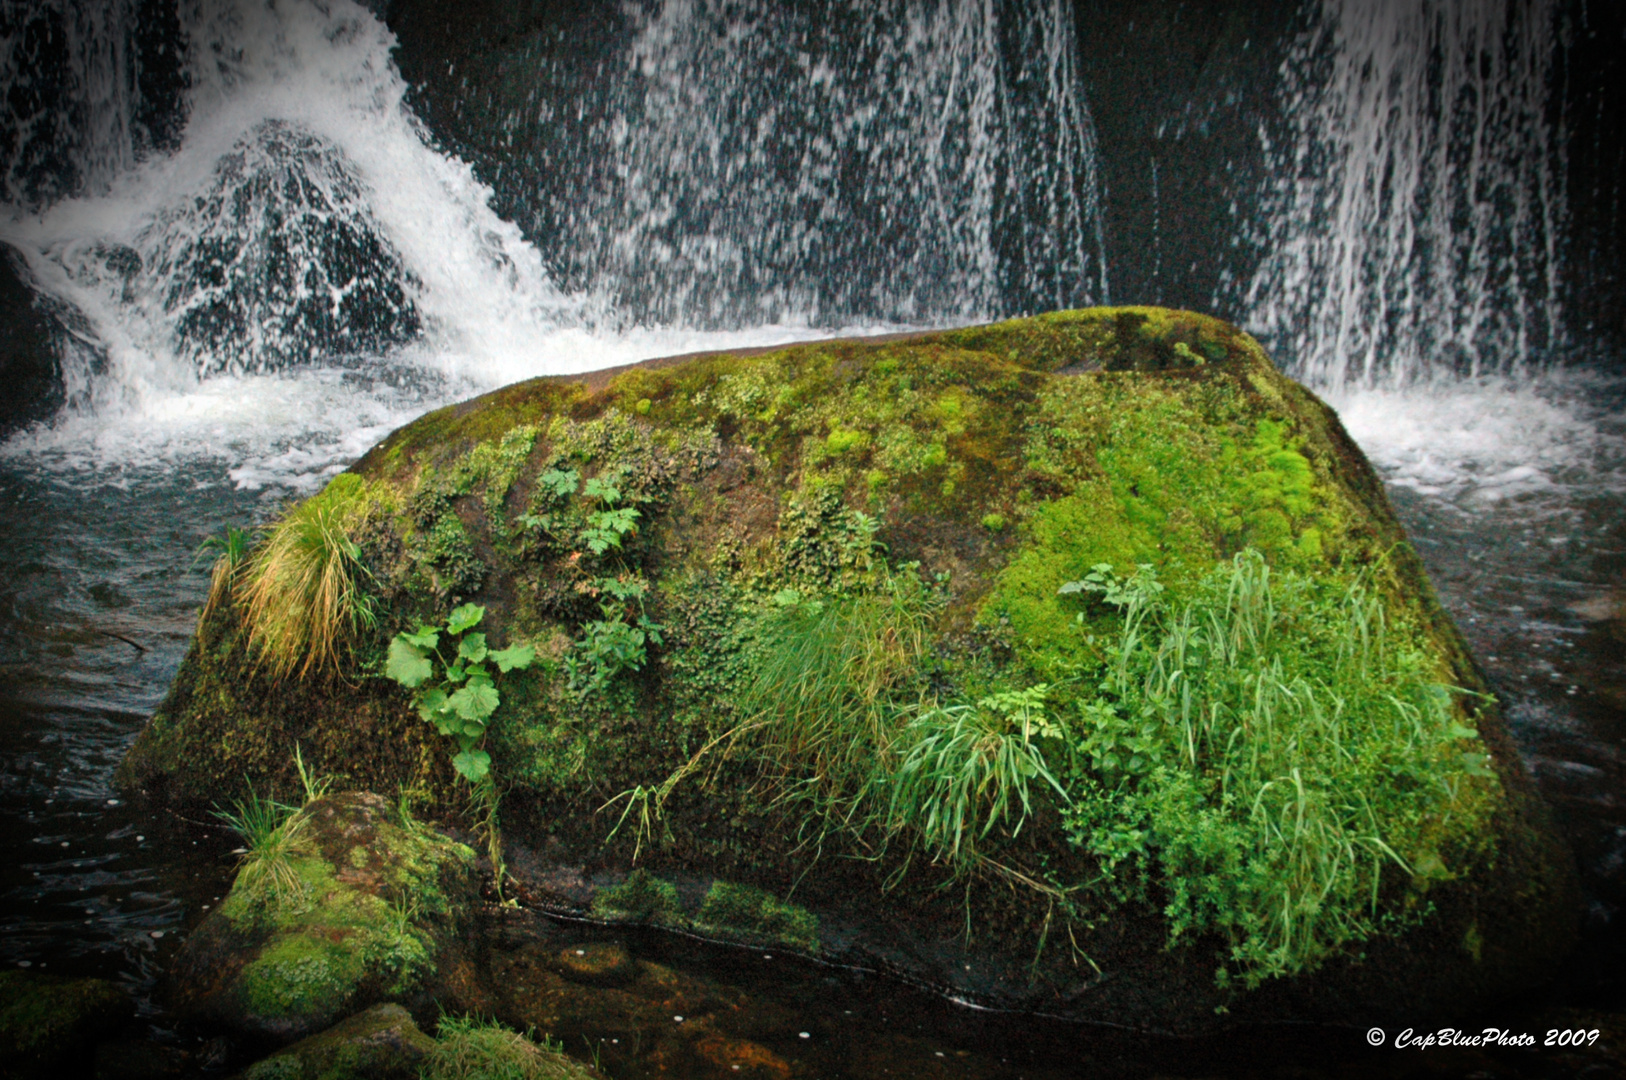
x=301 y=590
x=272 y=835
x=467 y=1048
x=829 y=669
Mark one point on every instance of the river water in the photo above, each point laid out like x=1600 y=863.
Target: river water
x=1506 y=460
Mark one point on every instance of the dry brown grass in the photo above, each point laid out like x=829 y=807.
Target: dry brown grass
x=301 y=591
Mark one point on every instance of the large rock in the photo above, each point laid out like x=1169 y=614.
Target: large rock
x=770 y=589
x=375 y=908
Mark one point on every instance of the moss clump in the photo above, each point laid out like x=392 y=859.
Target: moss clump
x=380 y=1042
x=642 y=897
x=749 y=910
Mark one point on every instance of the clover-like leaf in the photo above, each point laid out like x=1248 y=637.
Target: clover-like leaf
x=515 y=656
x=464 y=618
x=475 y=701
x=472 y=648
x=473 y=765
x=407 y=663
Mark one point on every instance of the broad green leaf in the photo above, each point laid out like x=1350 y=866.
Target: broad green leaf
x=601 y=489
x=464 y=618
x=472 y=764
x=432 y=705
x=472 y=648
x=516 y=656
x=426 y=637
x=1458 y=731
x=456 y=673
x=476 y=701
x=407 y=663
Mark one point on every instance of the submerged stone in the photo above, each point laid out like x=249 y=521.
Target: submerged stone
x=373 y=907
x=1075 y=662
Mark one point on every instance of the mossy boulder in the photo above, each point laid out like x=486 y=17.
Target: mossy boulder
x=377 y=908
x=380 y=1043
x=50 y=1025
x=900 y=631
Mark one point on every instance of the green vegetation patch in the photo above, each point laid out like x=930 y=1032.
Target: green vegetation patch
x=642 y=897
x=467 y=1048
x=744 y=908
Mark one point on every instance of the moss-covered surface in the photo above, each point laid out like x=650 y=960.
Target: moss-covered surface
x=49 y=1025
x=383 y=911
x=380 y=1043
x=665 y=535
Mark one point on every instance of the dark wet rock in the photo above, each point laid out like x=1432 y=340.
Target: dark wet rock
x=140 y=1059
x=29 y=369
x=49 y=1026
x=380 y=1043
x=992 y=465
x=280 y=260
x=383 y=910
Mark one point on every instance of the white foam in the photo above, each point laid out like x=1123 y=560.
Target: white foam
x=1488 y=440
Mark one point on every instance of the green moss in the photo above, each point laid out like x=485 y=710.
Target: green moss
x=377 y=906
x=743 y=908
x=642 y=897
x=301 y=975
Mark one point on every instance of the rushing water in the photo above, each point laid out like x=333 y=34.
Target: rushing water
x=261 y=282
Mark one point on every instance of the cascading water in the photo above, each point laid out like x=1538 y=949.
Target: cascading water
x=1416 y=205
x=897 y=161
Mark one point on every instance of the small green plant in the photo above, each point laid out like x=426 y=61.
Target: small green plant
x=301 y=589
x=618 y=641
x=313 y=784
x=468 y=1048
x=273 y=834
x=456 y=690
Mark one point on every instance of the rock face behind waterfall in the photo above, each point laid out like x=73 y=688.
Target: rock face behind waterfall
x=1073 y=663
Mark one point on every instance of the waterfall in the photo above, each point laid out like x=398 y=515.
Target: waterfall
x=748 y=172
x=735 y=163
x=1413 y=223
